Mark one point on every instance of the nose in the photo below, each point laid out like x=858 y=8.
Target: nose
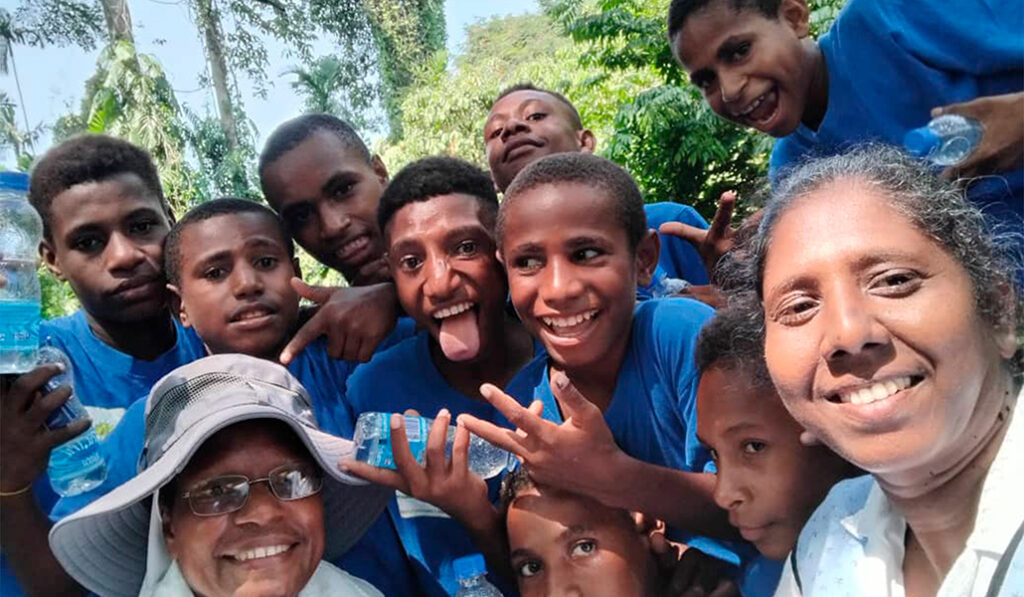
x=853 y=336
x=729 y=493
x=560 y=287
x=333 y=221
x=246 y=281
x=122 y=254
x=441 y=279
x=260 y=508
x=562 y=585
x=513 y=126
x=732 y=84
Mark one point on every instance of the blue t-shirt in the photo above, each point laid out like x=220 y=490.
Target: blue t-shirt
x=678 y=258
x=890 y=62
x=405 y=377
x=106 y=381
x=653 y=413
x=372 y=558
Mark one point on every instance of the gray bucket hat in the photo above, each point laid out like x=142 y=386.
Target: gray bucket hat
x=104 y=545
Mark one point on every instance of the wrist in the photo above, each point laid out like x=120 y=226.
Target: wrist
x=25 y=490
x=620 y=475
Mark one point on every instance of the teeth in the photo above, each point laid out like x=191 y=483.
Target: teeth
x=253 y=314
x=876 y=391
x=354 y=245
x=753 y=105
x=453 y=310
x=565 y=322
x=261 y=552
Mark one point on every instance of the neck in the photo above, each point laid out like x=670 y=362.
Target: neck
x=596 y=381
x=497 y=363
x=940 y=505
x=145 y=339
x=817 y=87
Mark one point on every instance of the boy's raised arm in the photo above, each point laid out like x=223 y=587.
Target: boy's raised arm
x=581 y=456
x=25 y=445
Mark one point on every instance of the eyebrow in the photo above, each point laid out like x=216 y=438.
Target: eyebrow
x=575 y=530
x=729 y=46
x=741 y=427
x=94 y=227
x=527 y=247
x=337 y=179
x=862 y=263
x=255 y=242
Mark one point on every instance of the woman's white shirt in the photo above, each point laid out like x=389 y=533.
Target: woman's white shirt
x=853 y=544
x=327 y=581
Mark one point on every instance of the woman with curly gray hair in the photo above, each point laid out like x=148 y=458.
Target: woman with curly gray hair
x=890 y=319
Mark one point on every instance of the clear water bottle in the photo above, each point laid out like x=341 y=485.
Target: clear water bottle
x=20 y=233
x=77 y=465
x=373 y=444
x=664 y=286
x=471 y=572
x=946 y=140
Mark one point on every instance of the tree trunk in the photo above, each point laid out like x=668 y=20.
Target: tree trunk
x=209 y=23
x=119 y=20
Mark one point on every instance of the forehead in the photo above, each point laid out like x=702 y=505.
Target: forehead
x=555 y=211
x=301 y=172
x=102 y=202
x=517 y=100
x=558 y=512
x=437 y=214
x=251 y=448
x=726 y=398
x=227 y=232
x=705 y=30
x=808 y=238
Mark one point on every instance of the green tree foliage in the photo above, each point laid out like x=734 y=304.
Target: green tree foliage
x=326 y=85
x=444 y=110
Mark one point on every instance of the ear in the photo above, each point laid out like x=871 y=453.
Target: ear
x=379 y=169
x=796 y=15
x=809 y=440
x=647 y=253
x=501 y=258
x=166 y=523
x=587 y=141
x=49 y=257
x=177 y=306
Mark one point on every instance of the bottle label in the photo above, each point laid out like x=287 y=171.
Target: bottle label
x=416 y=429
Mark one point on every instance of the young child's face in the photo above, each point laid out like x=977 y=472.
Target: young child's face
x=751 y=68
x=234 y=284
x=107 y=242
x=441 y=255
x=563 y=544
x=525 y=126
x=572 y=275
x=327 y=194
x=767 y=480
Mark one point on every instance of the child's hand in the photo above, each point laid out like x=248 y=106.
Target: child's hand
x=25 y=442
x=356 y=319
x=689 y=572
x=576 y=455
x=1002 y=143
x=714 y=242
x=447 y=484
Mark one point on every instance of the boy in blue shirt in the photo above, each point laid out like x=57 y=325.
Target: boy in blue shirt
x=104 y=221
x=526 y=123
x=575 y=243
x=882 y=69
x=229 y=263
x=438 y=220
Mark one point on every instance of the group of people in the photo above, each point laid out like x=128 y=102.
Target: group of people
x=826 y=408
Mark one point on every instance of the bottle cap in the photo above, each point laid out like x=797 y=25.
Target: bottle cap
x=921 y=141
x=14 y=181
x=469 y=567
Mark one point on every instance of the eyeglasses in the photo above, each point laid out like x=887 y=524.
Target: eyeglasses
x=230 y=493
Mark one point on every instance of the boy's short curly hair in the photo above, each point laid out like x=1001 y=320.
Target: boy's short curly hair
x=211 y=209
x=89 y=158
x=433 y=177
x=575 y=119
x=734 y=339
x=614 y=181
x=290 y=134
x=681 y=10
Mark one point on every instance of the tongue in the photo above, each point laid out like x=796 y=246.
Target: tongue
x=460 y=336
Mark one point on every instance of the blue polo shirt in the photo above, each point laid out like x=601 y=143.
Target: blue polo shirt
x=405 y=377
x=653 y=414
x=891 y=61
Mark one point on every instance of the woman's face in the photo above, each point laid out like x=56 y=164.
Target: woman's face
x=873 y=338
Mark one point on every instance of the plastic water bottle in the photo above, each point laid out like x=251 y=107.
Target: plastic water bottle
x=664 y=286
x=20 y=233
x=373 y=444
x=471 y=572
x=77 y=465
x=946 y=140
